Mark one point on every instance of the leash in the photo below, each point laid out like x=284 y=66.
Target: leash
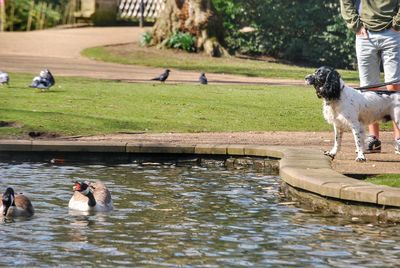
x=382 y=92
x=378 y=86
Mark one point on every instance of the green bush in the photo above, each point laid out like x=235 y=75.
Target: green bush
x=22 y=15
x=145 y=38
x=184 y=41
x=309 y=32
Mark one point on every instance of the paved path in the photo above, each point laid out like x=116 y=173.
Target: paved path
x=59 y=50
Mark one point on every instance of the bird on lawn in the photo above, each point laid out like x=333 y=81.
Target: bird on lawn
x=203 y=79
x=4 y=78
x=45 y=80
x=90 y=196
x=15 y=205
x=162 y=77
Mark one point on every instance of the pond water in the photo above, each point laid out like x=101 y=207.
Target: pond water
x=190 y=216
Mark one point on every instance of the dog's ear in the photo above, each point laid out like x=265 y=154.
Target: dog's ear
x=331 y=89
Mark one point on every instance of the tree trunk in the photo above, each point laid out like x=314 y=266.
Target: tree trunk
x=197 y=17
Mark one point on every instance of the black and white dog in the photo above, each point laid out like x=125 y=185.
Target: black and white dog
x=347 y=108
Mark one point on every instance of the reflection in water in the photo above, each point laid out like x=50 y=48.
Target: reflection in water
x=181 y=216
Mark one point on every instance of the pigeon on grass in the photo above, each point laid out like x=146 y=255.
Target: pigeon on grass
x=4 y=78
x=203 y=79
x=45 y=80
x=162 y=77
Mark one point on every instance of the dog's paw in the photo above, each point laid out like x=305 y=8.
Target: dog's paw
x=361 y=159
x=331 y=155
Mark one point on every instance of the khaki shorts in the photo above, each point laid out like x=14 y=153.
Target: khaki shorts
x=374 y=49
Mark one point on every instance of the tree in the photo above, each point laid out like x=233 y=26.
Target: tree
x=197 y=17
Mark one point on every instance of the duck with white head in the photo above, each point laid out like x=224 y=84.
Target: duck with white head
x=90 y=196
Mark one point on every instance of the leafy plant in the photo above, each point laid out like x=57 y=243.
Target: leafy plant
x=145 y=39
x=184 y=41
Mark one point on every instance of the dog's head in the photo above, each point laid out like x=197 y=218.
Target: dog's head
x=326 y=81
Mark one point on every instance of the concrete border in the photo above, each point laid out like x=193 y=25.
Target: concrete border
x=305 y=169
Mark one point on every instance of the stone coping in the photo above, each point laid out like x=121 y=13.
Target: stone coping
x=305 y=169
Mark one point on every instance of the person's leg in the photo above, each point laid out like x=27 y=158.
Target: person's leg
x=391 y=64
x=396 y=130
x=368 y=60
x=373 y=130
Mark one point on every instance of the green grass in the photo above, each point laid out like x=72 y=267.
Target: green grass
x=80 y=106
x=386 y=179
x=132 y=54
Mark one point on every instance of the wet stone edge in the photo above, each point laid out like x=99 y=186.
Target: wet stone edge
x=358 y=211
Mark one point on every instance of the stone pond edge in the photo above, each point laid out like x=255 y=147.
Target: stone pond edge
x=304 y=169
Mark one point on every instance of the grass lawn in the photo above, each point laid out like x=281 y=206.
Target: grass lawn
x=386 y=179
x=136 y=55
x=80 y=106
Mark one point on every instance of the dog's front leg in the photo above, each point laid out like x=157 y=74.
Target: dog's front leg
x=338 y=141
x=359 y=136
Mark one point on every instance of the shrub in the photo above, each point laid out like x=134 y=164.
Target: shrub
x=24 y=15
x=145 y=38
x=309 y=32
x=184 y=41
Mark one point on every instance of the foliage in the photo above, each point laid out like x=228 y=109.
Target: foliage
x=145 y=38
x=306 y=31
x=180 y=40
x=17 y=13
x=22 y=15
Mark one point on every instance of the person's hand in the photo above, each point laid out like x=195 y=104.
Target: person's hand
x=362 y=32
x=394 y=30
